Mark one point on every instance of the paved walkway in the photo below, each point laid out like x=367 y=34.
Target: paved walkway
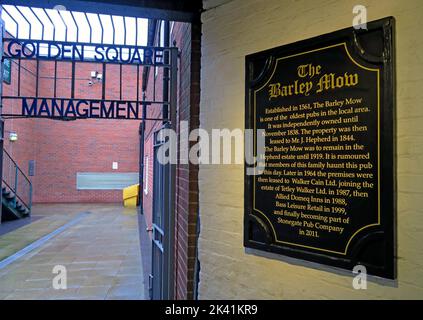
x=101 y=254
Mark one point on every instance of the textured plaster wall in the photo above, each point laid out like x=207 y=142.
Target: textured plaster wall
x=240 y=27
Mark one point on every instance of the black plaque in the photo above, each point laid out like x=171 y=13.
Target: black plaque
x=327 y=193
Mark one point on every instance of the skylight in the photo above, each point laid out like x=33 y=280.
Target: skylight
x=70 y=26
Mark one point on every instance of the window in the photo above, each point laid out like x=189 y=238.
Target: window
x=105 y=180
x=159 y=41
x=162 y=34
x=31 y=168
x=146 y=175
x=172 y=23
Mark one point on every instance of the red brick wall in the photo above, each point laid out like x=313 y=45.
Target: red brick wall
x=187 y=38
x=61 y=149
x=23 y=150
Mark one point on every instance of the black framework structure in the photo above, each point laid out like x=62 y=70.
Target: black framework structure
x=103 y=33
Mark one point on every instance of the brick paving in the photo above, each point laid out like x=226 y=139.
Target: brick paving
x=101 y=254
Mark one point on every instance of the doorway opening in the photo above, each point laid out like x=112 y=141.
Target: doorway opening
x=75 y=76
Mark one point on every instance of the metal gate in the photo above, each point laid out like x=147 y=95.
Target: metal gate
x=164 y=189
x=165 y=57
x=161 y=253
x=164 y=182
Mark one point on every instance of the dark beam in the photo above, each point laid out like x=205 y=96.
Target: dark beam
x=185 y=11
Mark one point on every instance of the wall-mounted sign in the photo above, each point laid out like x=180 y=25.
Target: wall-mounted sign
x=84 y=52
x=327 y=107
x=7 y=71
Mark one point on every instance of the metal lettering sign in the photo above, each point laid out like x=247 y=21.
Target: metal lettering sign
x=327 y=193
x=84 y=52
x=79 y=109
x=69 y=108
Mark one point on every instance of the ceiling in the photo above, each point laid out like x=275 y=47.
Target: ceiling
x=210 y=4
x=181 y=10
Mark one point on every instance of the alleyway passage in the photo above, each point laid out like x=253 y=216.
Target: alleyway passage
x=99 y=247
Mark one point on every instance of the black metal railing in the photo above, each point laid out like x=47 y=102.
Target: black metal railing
x=16 y=182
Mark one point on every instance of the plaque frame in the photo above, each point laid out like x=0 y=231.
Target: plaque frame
x=376 y=45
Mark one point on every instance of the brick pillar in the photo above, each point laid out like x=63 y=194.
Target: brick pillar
x=187 y=181
x=1 y=106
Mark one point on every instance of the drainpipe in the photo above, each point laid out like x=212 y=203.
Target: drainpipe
x=141 y=166
x=170 y=278
x=166 y=79
x=152 y=23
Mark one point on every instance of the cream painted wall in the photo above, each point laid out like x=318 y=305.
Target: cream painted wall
x=241 y=27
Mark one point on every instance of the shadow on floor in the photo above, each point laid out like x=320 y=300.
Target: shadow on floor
x=9 y=226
